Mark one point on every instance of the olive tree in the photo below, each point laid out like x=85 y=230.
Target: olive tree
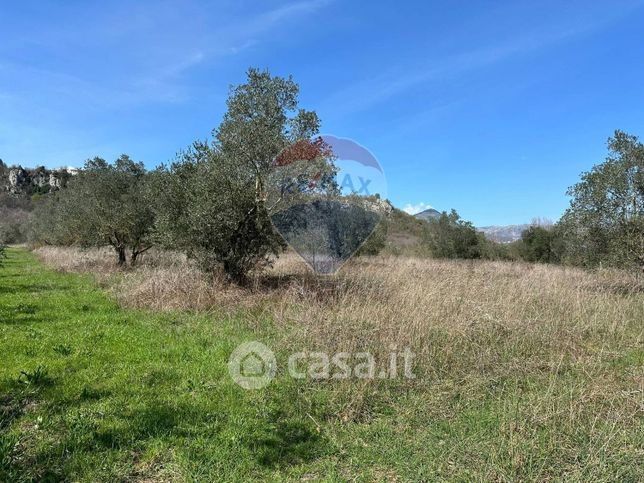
x=605 y=221
x=207 y=208
x=105 y=204
x=213 y=202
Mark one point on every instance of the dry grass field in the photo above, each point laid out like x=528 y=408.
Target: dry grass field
x=523 y=371
x=378 y=302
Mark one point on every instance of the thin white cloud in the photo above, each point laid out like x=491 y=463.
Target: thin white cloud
x=417 y=208
x=269 y=19
x=241 y=35
x=156 y=52
x=381 y=87
x=231 y=40
x=52 y=110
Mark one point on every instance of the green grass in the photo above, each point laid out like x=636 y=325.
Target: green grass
x=93 y=392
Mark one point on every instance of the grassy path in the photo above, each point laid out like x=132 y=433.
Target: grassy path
x=93 y=392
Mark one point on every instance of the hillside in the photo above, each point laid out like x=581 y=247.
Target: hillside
x=405 y=233
x=19 y=188
x=17 y=180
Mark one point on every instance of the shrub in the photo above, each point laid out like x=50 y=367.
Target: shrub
x=537 y=245
x=212 y=202
x=452 y=237
x=605 y=221
x=105 y=204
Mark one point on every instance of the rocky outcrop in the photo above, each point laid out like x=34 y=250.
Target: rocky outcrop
x=17 y=178
x=40 y=179
x=54 y=181
x=20 y=181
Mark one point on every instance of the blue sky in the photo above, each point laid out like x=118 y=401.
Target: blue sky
x=492 y=108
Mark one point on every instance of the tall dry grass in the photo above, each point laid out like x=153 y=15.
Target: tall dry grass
x=454 y=315
x=161 y=280
x=551 y=354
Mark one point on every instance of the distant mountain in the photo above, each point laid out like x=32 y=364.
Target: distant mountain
x=499 y=234
x=428 y=215
x=503 y=234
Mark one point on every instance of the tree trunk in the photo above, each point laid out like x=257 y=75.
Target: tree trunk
x=122 y=257
x=235 y=273
x=136 y=251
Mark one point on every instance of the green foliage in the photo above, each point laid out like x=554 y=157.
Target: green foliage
x=405 y=234
x=105 y=204
x=206 y=206
x=491 y=250
x=452 y=237
x=10 y=232
x=212 y=201
x=37 y=377
x=3 y=254
x=538 y=244
x=376 y=242
x=43 y=227
x=605 y=221
x=14 y=215
x=446 y=237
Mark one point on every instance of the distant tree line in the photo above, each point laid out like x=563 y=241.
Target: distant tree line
x=14 y=211
x=447 y=236
x=105 y=204
x=212 y=202
x=604 y=225
x=216 y=200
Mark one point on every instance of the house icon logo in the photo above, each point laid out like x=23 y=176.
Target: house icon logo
x=252 y=365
